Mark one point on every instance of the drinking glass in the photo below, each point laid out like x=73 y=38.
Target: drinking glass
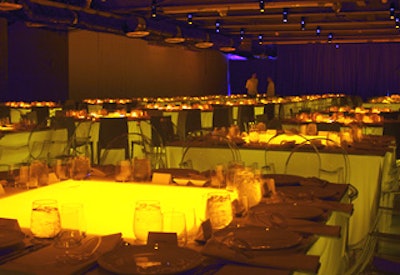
x=219 y=209
x=45 y=218
x=73 y=225
x=141 y=169
x=123 y=171
x=147 y=218
x=80 y=168
x=175 y=222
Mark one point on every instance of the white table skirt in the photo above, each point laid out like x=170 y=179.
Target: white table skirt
x=366 y=174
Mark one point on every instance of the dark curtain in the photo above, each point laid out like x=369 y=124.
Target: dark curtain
x=367 y=70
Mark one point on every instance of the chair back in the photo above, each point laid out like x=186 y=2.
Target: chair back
x=189 y=120
x=110 y=129
x=245 y=115
x=222 y=116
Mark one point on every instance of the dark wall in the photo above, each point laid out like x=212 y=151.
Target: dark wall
x=367 y=70
x=109 y=66
x=37 y=64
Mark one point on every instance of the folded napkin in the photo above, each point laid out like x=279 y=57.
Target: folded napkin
x=45 y=261
x=296 y=225
x=287 y=261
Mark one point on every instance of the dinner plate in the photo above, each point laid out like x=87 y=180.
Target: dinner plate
x=133 y=260
x=10 y=238
x=310 y=191
x=288 y=211
x=262 y=238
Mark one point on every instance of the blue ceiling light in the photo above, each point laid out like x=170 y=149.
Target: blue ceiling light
x=285 y=15
x=397 y=20
x=318 y=31
x=262 y=6
x=154 y=9
x=242 y=32
x=190 y=18
x=260 y=39
x=302 y=23
x=330 y=37
x=391 y=11
x=217 y=26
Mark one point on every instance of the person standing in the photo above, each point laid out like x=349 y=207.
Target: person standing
x=252 y=85
x=270 y=87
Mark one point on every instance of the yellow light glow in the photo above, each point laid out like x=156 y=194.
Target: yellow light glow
x=109 y=206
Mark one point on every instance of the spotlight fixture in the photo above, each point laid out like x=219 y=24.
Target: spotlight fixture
x=285 y=15
x=302 y=23
x=260 y=39
x=217 y=26
x=330 y=37
x=262 y=6
x=154 y=9
x=190 y=18
x=391 y=11
x=242 y=34
x=318 y=31
x=397 y=20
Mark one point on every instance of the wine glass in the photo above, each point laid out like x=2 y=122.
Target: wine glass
x=45 y=219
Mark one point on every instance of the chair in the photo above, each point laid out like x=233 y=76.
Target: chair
x=222 y=116
x=164 y=127
x=245 y=115
x=304 y=159
x=199 y=159
x=110 y=131
x=42 y=113
x=189 y=120
x=269 y=110
x=274 y=123
x=78 y=135
x=5 y=113
x=46 y=143
x=392 y=128
x=332 y=127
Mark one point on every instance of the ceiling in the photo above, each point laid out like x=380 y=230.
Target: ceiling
x=351 y=21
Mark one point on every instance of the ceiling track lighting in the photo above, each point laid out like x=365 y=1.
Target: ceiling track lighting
x=217 y=26
x=285 y=15
x=260 y=39
x=262 y=6
x=190 y=19
x=303 y=24
x=242 y=32
x=154 y=9
x=391 y=11
x=318 y=31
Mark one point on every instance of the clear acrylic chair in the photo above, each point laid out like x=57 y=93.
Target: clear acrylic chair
x=201 y=158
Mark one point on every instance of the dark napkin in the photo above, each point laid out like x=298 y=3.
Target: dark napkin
x=285 y=261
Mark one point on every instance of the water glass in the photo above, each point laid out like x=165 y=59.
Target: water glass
x=219 y=209
x=175 y=222
x=73 y=225
x=123 y=171
x=45 y=218
x=80 y=168
x=141 y=169
x=147 y=218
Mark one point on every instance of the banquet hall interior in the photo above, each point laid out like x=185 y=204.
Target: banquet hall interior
x=129 y=143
